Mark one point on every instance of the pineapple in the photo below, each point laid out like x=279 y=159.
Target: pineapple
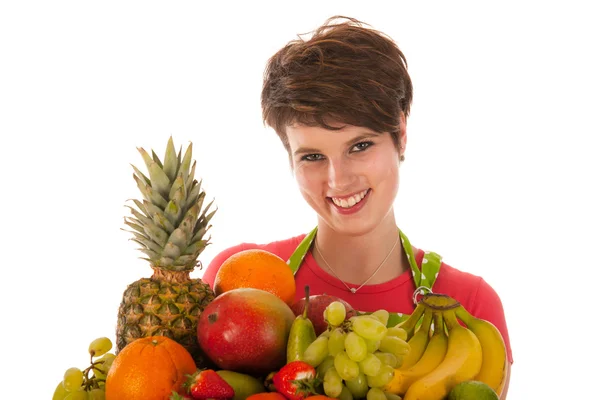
x=170 y=226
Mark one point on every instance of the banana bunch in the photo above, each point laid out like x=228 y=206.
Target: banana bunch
x=444 y=353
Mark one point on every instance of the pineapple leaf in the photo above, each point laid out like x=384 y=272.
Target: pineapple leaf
x=173 y=212
x=152 y=250
x=147 y=159
x=177 y=190
x=165 y=262
x=149 y=193
x=151 y=208
x=200 y=233
x=171 y=250
x=133 y=225
x=163 y=222
x=189 y=221
x=185 y=165
x=189 y=261
x=160 y=180
x=194 y=195
x=142 y=219
x=140 y=175
x=157 y=159
x=196 y=248
x=178 y=238
x=156 y=234
x=206 y=209
x=144 y=189
x=170 y=163
x=152 y=255
x=190 y=179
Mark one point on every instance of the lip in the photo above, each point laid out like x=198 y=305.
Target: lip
x=355 y=208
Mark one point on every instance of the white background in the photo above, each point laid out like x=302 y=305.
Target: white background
x=501 y=171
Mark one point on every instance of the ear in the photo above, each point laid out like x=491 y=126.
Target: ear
x=402 y=135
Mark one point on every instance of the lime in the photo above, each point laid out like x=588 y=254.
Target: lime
x=472 y=390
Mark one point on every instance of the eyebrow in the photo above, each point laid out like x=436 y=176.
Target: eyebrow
x=305 y=150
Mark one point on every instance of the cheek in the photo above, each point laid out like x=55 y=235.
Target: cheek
x=303 y=180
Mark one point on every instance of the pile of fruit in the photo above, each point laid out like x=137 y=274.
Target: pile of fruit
x=176 y=338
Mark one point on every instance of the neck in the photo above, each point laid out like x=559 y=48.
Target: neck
x=355 y=258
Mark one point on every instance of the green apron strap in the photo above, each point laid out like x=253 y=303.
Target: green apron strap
x=298 y=255
x=423 y=277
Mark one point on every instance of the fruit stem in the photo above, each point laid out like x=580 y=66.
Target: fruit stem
x=409 y=324
x=450 y=319
x=438 y=323
x=464 y=315
x=306 y=301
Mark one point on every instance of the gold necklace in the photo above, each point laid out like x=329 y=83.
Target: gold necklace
x=354 y=290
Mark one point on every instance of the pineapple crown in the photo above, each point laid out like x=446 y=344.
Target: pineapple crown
x=169 y=223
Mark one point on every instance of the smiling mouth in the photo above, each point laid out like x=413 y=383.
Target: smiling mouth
x=350 y=201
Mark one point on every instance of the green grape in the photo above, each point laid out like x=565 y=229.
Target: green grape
x=392 y=396
x=79 y=395
x=356 y=348
x=399 y=361
x=59 y=393
x=358 y=386
x=394 y=345
x=382 y=315
x=336 y=341
x=324 y=366
x=345 y=395
x=385 y=376
x=387 y=358
x=102 y=365
x=100 y=346
x=376 y=394
x=370 y=365
x=335 y=313
x=317 y=351
x=372 y=345
x=369 y=328
x=398 y=332
x=332 y=383
x=96 y=394
x=345 y=367
x=73 y=379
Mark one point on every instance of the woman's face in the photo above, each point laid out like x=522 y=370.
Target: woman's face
x=349 y=176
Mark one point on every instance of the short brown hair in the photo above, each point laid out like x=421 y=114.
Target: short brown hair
x=344 y=73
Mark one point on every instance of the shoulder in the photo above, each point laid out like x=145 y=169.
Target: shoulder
x=282 y=248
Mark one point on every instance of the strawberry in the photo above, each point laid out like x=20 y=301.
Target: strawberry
x=296 y=380
x=207 y=384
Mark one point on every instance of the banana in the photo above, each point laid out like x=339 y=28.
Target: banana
x=418 y=342
x=494 y=362
x=461 y=363
x=432 y=357
x=409 y=324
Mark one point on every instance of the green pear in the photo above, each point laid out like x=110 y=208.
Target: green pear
x=302 y=333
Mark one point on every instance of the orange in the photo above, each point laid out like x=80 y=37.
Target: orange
x=258 y=269
x=149 y=368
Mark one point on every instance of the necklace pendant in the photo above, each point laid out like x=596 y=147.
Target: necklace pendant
x=353 y=290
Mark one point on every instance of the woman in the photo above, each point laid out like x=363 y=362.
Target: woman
x=339 y=103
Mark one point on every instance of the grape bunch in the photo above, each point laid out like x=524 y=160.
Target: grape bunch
x=356 y=357
x=87 y=384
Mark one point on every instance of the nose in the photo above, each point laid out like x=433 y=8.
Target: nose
x=340 y=174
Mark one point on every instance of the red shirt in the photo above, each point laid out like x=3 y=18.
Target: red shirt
x=474 y=293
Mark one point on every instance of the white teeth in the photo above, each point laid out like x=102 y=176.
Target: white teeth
x=349 y=201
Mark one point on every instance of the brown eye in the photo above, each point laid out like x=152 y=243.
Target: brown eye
x=361 y=146
x=311 y=157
